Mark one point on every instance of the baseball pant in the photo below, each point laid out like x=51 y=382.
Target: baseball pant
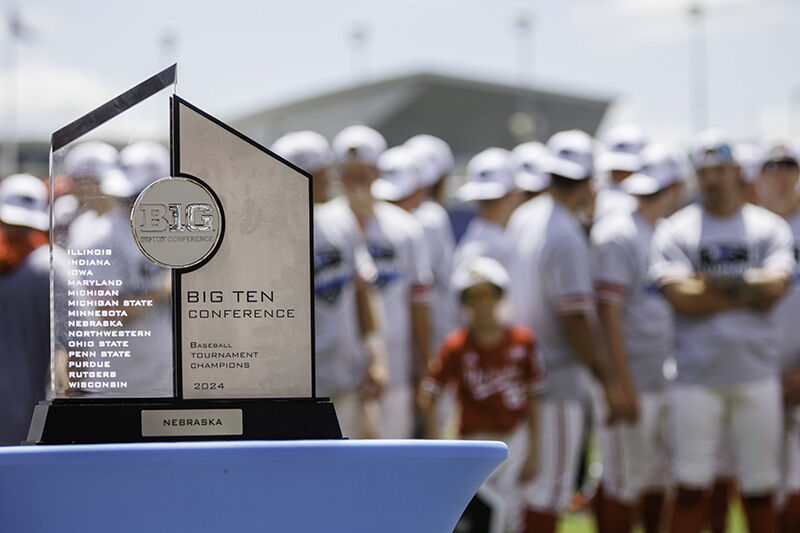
x=752 y=415
x=504 y=481
x=635 y=457
x=561 y=424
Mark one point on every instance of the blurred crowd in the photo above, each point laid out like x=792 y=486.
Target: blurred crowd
x=620 y=291
x=625 y=289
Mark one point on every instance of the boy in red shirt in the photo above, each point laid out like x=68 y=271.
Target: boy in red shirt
x=498 y=375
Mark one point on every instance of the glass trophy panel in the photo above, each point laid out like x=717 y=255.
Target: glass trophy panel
x=111 y=315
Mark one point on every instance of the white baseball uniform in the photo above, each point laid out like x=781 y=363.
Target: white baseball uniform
x=395 y=241
x=483 y=238
x=551 y=275
x=441 y=243
x=635 y=456
x=340 y=254
x=727 y=362
x=612 y=200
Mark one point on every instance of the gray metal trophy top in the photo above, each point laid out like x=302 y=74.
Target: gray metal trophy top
x=245 y=316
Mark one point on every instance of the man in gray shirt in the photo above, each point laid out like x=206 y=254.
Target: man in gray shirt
x=723 y=264
x=639 y=333
x=553 y=295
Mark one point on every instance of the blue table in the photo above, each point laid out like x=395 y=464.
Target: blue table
x=226 y=487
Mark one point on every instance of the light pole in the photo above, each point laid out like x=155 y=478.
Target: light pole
x=9 y=153
x=521 y=122
x=698 y=67
x=358 y=51
x=358 y=35
x=168 y=45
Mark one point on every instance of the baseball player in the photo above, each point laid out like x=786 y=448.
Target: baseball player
x=553 y=295
x=638 y=330
x=350 y=353
x=395 y=241
x=490 y=182
x=435 y=162
x=85 y=164
x=723 y=264
x=498 y=376
x=528 y=159
x=779 y=193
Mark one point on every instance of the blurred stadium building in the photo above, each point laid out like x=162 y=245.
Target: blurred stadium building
x=470 y=114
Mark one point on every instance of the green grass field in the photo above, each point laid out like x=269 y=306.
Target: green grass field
x=584 y=524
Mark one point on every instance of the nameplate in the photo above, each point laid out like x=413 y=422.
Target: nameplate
x=182 y=422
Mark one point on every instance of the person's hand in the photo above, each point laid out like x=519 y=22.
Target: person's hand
x=375 y=379
x=633 y=409
x=620 y=406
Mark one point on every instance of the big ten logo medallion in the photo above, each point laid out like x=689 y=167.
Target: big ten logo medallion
x=176 y=222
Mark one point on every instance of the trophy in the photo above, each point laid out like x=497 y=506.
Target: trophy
x=181 y=304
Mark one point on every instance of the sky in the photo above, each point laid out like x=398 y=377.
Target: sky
x=236 y=57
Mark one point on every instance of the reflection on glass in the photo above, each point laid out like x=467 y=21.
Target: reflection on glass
x=111 y=310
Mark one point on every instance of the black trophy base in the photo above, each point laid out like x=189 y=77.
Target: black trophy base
x=159 y=420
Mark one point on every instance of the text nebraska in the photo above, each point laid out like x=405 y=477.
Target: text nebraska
x=180 y=422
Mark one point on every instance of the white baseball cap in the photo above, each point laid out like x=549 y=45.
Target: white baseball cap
x=571 y=146
x=528 y=160
x=778 y=152
x=666 y=163
x=609 y=161
x=400 y=176
x=641 y=184
x=143 y=163
x=437 y=153
x=480 y=270
x=711 y=148
x=23 y=202
x=358 y=144
x=490 y=176
x=307 y=149
x=750 y=158
x=627 y=138
x=90 y=158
